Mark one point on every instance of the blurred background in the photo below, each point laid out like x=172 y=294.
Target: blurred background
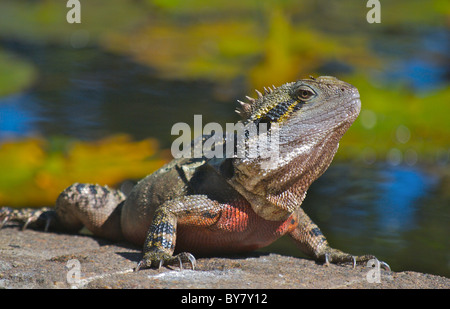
x=95 y=102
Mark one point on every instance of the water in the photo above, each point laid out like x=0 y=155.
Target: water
x=398 y=213
x=419 y=62
x=99 y=94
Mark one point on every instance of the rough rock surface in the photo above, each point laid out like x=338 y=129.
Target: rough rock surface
x=33 y=259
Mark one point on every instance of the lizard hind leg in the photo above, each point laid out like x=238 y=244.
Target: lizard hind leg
x=93 y=206
x=96 y=207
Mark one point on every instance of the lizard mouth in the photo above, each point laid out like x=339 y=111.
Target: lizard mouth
x=354 y=109
x=355 y=102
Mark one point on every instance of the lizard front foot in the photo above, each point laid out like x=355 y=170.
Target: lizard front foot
x=338 y=257
x=158 y=258
x=27 y=217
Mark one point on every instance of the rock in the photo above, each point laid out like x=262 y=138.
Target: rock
x=34 y=259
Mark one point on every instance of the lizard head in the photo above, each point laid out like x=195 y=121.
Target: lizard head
x=308 y=100
x=310 y=116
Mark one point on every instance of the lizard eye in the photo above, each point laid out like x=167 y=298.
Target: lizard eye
x=305 y=94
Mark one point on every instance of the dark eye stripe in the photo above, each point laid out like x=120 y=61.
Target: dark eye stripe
x=296 y=105
x=281 y=111
x=278 y=111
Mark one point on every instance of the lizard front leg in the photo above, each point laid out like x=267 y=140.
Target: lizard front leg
x=159 y=245
x=311 y=241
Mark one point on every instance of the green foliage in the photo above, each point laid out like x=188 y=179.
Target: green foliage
x=35 y=171
x=16 y=74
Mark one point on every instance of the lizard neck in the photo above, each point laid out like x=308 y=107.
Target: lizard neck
x=276 y=187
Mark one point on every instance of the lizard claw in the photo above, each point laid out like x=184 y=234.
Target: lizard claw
x=4 y=220
x=5 y=214
x=139 y=265
x=385 y=266
x=187 y=257
x=27 y=222
x=160 y=258
x=327 y=259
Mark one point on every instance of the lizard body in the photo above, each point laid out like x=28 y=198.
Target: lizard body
x=222 y=205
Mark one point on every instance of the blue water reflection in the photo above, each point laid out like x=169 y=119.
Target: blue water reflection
x=16 y=117
x=418 y=62
x=399 y=194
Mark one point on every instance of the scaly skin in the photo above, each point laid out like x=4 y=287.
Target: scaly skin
x=213 y=206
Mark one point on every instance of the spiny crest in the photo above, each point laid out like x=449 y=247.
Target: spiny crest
x=246 y=109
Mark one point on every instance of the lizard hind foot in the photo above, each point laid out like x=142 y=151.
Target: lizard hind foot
x=159 y=258
x=338 y=257
x=27 y=217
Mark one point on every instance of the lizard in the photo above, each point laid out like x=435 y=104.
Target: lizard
x=234 y=204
